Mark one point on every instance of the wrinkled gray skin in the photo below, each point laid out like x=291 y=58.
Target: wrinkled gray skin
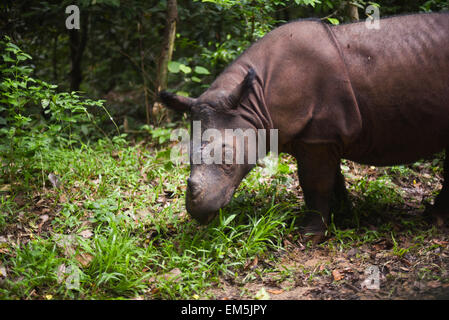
x=377 y=97
x=211 y=186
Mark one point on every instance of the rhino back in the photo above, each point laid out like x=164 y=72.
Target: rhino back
x=400 y=76
x=301 y=82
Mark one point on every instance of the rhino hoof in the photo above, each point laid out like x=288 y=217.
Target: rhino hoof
x=315 y=238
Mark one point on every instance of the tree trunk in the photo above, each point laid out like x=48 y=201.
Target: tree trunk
x=148 y=109
x=166 y=52
x=168 y=45
x=77 y=40
x=55 y=58
x=353 y=12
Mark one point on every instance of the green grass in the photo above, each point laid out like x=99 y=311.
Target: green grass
x=130 y=200
x=117 y=226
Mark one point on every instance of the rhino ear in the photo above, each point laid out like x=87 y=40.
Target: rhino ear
x=242 y=90
x=175 y=102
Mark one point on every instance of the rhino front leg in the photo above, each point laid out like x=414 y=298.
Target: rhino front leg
x=317 y=171
x=340 y=200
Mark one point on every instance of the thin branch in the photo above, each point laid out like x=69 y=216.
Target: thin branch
x=332 y=14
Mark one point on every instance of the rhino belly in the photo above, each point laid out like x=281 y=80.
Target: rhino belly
x=393 y=137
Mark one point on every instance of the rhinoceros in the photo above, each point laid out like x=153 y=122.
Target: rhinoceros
x=374 y=96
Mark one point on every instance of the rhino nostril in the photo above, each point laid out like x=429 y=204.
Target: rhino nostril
x=193 y=187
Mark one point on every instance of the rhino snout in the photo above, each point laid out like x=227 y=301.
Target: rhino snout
x=203 y=201
x=200 y=211
x=193 y=187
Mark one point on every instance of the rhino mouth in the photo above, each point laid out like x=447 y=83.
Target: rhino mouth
x=204 y=210
x=205 y=220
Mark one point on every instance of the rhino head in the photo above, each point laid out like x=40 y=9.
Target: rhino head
x=212 y=185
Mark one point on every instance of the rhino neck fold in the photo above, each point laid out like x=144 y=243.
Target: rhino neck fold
x=254 y=108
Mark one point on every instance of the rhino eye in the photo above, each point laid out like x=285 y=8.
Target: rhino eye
x=228 y=155
x=227 y=167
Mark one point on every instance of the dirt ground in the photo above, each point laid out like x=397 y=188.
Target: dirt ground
x=408 y=259
x=412 y=264
x=342 y=275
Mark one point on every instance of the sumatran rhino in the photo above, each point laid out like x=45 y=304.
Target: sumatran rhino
x=375 y=96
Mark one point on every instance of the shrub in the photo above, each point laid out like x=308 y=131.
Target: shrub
x=34 y=117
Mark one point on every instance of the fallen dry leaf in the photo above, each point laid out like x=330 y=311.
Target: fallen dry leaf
x=154 y=291
x=2 y=271
x=440 y=242
x=44 y=218
x=252 y=264
x=54 y=180
x=383 y=244
x=86 y=234
x=172 y=275
x=62 y=198
x=434 y=284
x=287 y=243
x=275 y=291
x=337 y=275
x=84 y=258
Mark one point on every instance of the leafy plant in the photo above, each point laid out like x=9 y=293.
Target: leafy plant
x=34 y=117
x=187 y=76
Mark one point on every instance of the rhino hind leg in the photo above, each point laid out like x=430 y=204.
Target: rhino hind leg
x=340 y=203
x=439 y=212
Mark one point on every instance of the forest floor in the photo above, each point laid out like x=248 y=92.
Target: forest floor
x=408 y=258
x=120 y=230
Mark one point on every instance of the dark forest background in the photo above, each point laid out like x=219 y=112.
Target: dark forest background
x=125 y=51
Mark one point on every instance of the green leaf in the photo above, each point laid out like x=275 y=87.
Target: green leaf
x=45 y=103
x=307 y=2
x=333 y=21
x=196 y=79
x=165 y=154
x=85 y=129
x=182 y=93
x=201 y=70
x=26 y=55
x=229 y=219
x=55 y=127
x=7 y=58
x=283 y=168
x=185 y=68
x=21 y=58
x=173 y=66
